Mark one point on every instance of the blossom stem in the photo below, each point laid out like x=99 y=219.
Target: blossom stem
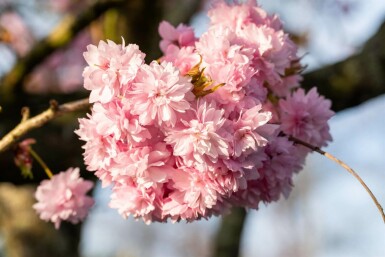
x=41 y=162
x=346 y=167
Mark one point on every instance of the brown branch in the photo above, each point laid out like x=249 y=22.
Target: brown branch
x=229 y=235
x=355 y=80
x=346 y=167
x=24 y=114
x=39 y=120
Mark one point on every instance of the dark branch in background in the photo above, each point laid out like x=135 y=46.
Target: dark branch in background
x=228 y=238
x=39 y=120
x=354 y=80
x=60 y=37
x=182 y=11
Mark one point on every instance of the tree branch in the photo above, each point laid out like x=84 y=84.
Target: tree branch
x=39 y=120
x=60 y=37
x=228 y=237
x=345 y=166
x=354 y=80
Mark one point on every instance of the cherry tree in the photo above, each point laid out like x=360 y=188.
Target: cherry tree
x=209 y=125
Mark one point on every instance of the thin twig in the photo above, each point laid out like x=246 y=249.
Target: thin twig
x=39 y=120
x=24 y=114
x=346 y=167
x=41 y=162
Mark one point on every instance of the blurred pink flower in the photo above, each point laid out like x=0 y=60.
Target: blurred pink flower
x=62 y=70
x=281 y=160
x=63 y=198
x=180 y=36
x=67 y=5
x=21 y=38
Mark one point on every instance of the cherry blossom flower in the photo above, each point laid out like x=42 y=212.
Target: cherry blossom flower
x=305 y=116
x=111 y=67
x=200 y=136
x=145 y=165
x=158 y=93
x=180 y=36
x=63 y=198
x=194 y=193
x=130 y=199
x=184 y=58
x=246 y=135
x=281 y=160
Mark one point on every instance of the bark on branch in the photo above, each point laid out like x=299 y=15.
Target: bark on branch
x=39 y=120
x=355 y=80
x=228 y=239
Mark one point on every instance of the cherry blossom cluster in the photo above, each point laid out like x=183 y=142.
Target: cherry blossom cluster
x=63 y=197
x=207 y=126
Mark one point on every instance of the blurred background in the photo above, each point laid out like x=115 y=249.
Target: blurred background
x=328 y=213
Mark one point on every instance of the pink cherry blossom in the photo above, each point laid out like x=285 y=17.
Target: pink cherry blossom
x=99 y=149
x=246 y=136
x=146 y=165
x=239 y=14
x=194 y=193
x=112 y=119
x=111 y=67
x=180 y=36
x=184 y=58
x=200 y=136
x=100 y=152
x=158 y=92
x=130 y=199
x=305 y=116
x=63 y=198
x=274 y=178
